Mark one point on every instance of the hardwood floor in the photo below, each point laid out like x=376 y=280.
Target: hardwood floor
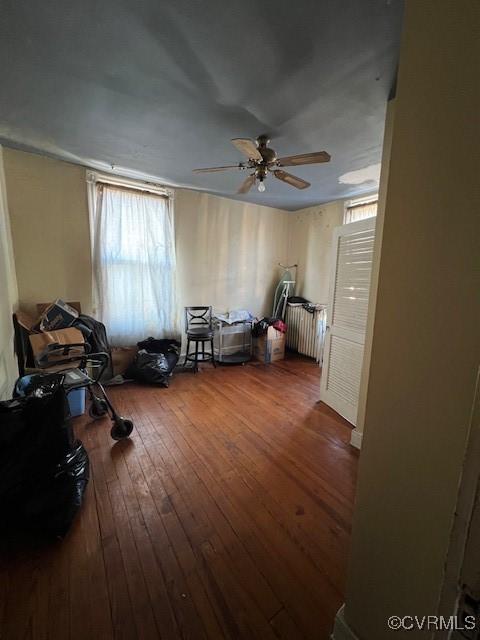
x=227 y=515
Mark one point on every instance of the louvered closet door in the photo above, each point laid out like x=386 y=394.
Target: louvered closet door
x=347 y=316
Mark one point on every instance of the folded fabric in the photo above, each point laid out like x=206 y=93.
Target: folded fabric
x=237 y=315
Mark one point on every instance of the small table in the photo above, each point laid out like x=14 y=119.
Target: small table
x=233 y=342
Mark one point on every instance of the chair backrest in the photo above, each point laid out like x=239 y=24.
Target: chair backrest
x=200 y=317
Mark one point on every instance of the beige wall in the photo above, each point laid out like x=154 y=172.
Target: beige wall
x=310 y=240
x=227 y=251
x=49 y=217
x=426 y=349
x=8 y=295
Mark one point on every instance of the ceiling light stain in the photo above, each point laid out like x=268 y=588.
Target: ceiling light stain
x=368 y=174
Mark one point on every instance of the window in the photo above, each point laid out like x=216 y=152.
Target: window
x=360 y=209
x=133 y=249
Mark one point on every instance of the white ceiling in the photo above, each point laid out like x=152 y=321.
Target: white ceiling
x=159 y=87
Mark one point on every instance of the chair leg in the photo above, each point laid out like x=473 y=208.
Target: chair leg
x=187 y=352
x=213 y=354
x=195 y=366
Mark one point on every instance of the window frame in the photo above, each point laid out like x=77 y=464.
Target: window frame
x=359 y=202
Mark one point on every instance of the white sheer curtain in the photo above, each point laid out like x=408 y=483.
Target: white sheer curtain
x=133 y=245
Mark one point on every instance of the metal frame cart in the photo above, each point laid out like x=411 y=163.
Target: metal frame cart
x=240 y=344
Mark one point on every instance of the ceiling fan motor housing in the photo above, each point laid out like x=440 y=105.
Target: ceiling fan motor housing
x=261 y=172
x=269 y=156
x=262 y=160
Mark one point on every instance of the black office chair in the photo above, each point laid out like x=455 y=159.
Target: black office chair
x=199 y=330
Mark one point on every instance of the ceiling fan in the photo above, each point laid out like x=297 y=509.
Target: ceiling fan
x=262 y=160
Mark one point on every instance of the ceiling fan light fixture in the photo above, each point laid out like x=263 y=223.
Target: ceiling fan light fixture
x=262 y=159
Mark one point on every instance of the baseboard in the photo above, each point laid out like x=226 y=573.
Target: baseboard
x=356 y=439
x=341 y=630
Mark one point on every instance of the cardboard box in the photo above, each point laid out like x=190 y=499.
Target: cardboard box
x=58 y=315
x=25 y=320
x=41 y=306
x=40 y=342
x=122 y=358
x=269 y=347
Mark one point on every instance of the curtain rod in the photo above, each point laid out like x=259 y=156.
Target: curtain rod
x=138 y=189
x=128 y=183
x=363 y=204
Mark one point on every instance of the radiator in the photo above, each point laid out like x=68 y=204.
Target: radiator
x=306 y=330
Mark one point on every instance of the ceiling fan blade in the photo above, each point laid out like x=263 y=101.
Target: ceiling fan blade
x=292 y=180
x=304 y=158
x=212 y=169
x=247 y=184
x=248 y=148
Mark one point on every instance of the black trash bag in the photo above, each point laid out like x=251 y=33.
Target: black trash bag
x=152 y=368
x=39 y=484
x=35 y=433
x=37 y=384
x=164 y=345
x=51 y=505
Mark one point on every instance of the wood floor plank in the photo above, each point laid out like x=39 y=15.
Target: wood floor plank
x=254 y=431
x=248 y=617
x=79 y=584
x=227 y=515
x=255 y=462
x=134 y=547
x=59 y=593
x=177 y=590
x=119 y=597
x=168 y=530
x=284 y=627
x=275 y=542
x=192 y=487
x=178 y=494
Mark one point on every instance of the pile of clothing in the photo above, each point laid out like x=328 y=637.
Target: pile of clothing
x=260 y=327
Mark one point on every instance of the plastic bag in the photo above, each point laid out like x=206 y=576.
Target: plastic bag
x=164 y=345
x=44 y=469
x=51 y=505
x=37 y=384
x=35 y=433
x=152 y=368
